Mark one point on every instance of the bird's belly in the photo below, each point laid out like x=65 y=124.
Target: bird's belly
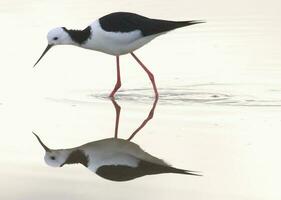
x=116 y=43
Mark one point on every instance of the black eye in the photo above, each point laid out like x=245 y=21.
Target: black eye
x=55 y=38
x=53 y=157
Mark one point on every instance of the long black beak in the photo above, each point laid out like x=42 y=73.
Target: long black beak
x=43 y=145
x=47 y=49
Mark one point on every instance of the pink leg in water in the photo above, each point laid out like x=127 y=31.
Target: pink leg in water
x=150 y=75
x=117 y=110
x=118 y=82
x=149 y=117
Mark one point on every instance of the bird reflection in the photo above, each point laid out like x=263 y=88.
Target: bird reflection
x=114 y=159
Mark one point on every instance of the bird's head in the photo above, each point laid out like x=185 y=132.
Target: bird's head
x=56 y=36
x=53 y=158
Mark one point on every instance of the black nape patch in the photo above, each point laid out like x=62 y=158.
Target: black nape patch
x=77 y=156
x=127 y=22
x=79 y=36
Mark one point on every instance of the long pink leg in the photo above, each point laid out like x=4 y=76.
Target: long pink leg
x=118 y=82
x=150 y=75
x=149 y=117
x=117 y=110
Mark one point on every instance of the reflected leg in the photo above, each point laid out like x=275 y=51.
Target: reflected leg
x=150 y=75
x=117 y=110
x=149 y=117
x=118 y=82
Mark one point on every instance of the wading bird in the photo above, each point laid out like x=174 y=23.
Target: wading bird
x=116 y=34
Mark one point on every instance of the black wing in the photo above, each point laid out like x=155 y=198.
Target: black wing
x=126 y=173
x=127 y=22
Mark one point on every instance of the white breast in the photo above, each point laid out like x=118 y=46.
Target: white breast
x=115 y=43
x=116 y=152
x=112 y=159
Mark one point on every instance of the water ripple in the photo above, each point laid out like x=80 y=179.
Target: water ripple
x=208 y=94
x=190 y=95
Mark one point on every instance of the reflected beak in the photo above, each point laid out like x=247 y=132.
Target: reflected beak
x=43 y=145
x=47 y=49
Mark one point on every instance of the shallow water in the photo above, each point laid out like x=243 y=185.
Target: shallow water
x=218 y=112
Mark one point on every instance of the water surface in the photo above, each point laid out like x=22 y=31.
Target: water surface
x=218 y=113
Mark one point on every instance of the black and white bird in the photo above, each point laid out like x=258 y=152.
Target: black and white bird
x=116 y=34
x=113 y=159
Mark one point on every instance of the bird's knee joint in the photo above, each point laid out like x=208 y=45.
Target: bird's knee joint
x=117 y=85
x=151 y=77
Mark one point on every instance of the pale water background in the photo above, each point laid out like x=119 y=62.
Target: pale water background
x=219 y=110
